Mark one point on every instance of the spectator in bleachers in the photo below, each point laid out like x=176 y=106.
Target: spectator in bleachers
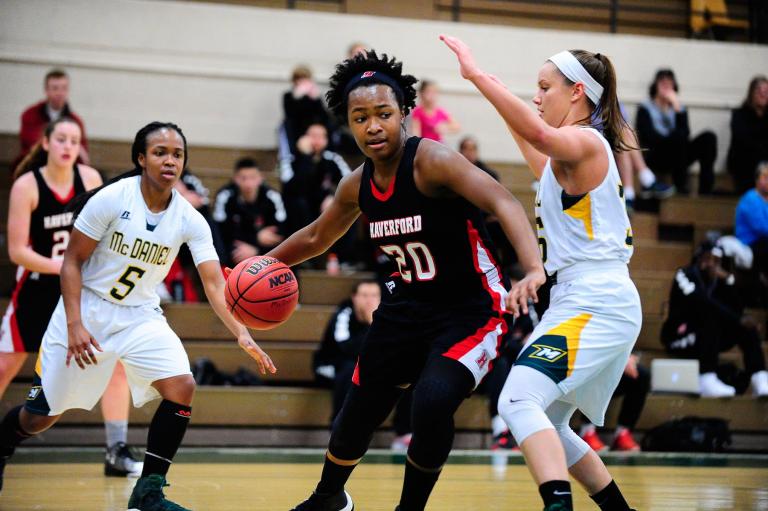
x=55 y=105
x=249 y=214
x=182 y=284
x=630 y=164
x=706 y=317
x=468 y=148
x=662 y=127
x=356 y=48
x=749 y=135
x=634 y=386
x=752 y=220
x=310 y=177
x=334 y=362
x=428 y=120
x=302 y=107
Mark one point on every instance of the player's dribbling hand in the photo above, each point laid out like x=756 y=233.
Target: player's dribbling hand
x=80 y=345
x=259 y=355
x=467 y=65
x=524 y=290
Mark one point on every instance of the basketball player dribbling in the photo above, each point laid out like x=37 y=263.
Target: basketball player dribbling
x=442 y=311
x=577 y=353
x=45 y=183
x=126 y=235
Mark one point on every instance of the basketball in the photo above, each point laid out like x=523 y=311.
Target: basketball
x=261 y=292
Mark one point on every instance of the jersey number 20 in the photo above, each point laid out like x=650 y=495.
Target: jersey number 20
x=125 y=280
x=423 y=262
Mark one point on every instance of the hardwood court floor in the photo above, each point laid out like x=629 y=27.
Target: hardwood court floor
x=376 y=487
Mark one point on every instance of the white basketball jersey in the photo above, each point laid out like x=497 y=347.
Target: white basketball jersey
x=132 y=256
x=589 y=227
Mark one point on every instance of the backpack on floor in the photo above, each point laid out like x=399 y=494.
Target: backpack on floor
x=689 y=434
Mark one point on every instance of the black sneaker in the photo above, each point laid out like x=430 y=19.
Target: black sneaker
x=148 y=495
x=657 y=190
x=340 y=501
x=3 y=459
x=119 y=461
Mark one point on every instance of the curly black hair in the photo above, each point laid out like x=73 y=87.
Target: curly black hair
x=370 y=61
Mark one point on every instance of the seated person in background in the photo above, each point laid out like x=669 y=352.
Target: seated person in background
x=752 y=221
x=469 y=149
x=182 y=284
x=36 y=118
x=662 y=129
x=334 y=362
x=428 y=120
x=249 y=214
x=706 y=317
x=634 y=386
x=749 y=135
x=310 y=177
x=302 y=106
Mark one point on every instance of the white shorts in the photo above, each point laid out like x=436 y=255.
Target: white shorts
x=586 y=336
x=138 y=336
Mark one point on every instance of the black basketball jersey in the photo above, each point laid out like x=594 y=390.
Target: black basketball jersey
x=50 y=224
x=439 y=246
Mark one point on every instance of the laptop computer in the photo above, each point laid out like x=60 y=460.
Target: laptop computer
x=675 y=376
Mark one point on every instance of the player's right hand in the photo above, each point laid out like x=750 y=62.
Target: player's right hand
x=259 y=355
x=524 y=290
x=80 y=346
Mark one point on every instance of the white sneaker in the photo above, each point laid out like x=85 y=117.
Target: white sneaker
x=760 y=384
x=401 y=443
x=711 y=386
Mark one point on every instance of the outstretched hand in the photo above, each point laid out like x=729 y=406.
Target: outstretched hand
x=256 y=353
x=467 y=65
x=525 y=290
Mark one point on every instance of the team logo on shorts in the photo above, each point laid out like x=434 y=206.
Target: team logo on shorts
x=547 y=353
x=33 y=393
x=482 y=359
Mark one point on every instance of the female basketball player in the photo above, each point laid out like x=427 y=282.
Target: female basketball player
x=576 y=354
x=38 y=232
x=124 y=240
x=441 y=317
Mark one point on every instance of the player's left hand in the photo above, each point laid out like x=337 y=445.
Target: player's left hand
x=467 y=65
x=259 y=355
x=524 y=290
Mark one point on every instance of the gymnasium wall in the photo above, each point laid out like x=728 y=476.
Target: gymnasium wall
x=219 y=70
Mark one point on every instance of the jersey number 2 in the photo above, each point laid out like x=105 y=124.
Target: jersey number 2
x=423 y=262
x=125 y=280
x=60 y=242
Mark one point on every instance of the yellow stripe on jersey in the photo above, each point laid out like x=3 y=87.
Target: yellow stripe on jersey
x=582 y=210
x=571 y=330
x=39 y=362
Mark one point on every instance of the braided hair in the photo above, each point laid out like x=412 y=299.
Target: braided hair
x=139 y=147
x=369 y=61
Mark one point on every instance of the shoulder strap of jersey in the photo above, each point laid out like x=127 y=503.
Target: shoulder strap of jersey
x=79 y=184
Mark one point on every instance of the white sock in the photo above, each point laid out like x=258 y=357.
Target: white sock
x=646 y=177
x=498 y=426
x=629 y=192
x=116 y=431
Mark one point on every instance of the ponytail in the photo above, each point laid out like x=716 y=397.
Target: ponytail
x=614 y=125
x=37 y=157
x=139 y=147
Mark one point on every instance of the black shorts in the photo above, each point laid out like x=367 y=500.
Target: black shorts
x=404 y=337
x=27 y=317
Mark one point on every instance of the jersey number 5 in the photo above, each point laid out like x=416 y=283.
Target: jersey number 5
x=423 y=262
x=125 y=280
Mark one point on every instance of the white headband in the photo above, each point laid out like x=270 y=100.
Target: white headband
x=575 y=72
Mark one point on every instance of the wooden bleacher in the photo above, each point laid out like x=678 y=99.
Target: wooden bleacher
x=288 y=398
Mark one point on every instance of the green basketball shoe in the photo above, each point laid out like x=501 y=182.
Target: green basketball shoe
x=148 y=495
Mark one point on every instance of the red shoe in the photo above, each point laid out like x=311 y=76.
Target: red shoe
x=505 y=442
x=625 y=442
x=594 y=441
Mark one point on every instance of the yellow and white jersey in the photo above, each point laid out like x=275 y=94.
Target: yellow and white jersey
x=136 y=247
x=589 y=227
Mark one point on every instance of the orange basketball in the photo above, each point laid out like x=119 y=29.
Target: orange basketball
x=261 y=292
